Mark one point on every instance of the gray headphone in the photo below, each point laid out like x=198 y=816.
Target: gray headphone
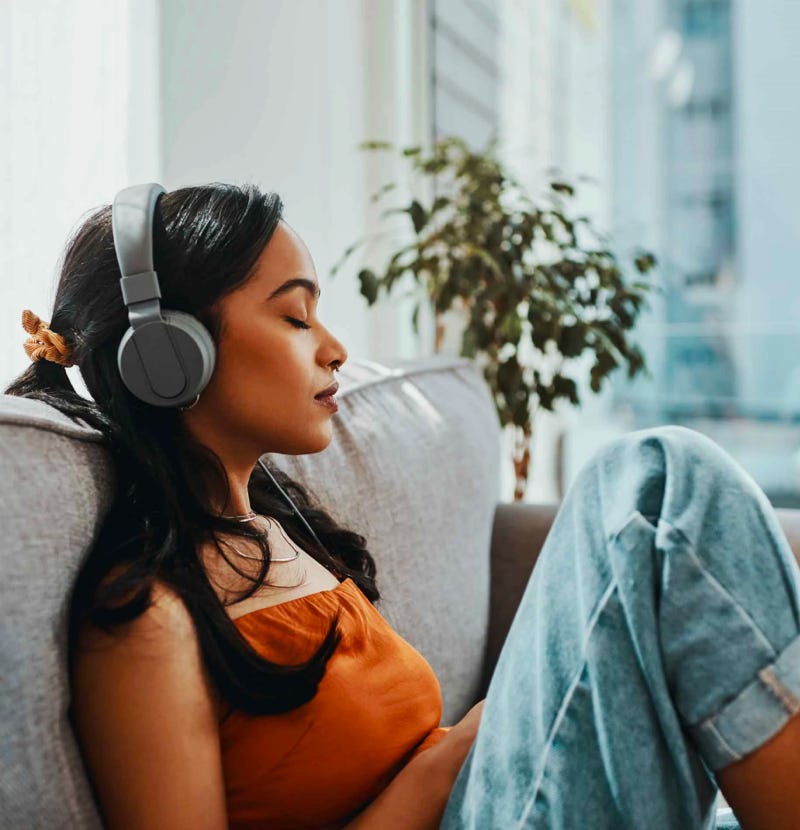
x=165 y=358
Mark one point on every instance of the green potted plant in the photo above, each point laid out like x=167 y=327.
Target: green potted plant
x=520 y=272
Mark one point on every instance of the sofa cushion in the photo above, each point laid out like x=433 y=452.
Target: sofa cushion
x=413 y=466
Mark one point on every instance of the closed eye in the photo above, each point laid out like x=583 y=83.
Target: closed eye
x=298 y=324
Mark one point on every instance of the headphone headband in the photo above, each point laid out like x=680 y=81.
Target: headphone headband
x=132 y=223
x=165 y=358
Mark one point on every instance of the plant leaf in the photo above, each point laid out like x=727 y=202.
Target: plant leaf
x=382 y=191
x=375 y=145
x=563 y=187
x=369 y=285
x=418 y=215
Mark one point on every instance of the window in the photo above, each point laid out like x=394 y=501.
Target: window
x=683 y=114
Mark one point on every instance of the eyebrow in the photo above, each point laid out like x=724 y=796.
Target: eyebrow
x=297 y=282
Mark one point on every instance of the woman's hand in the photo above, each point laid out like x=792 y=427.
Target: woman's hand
x=417 y=797
x=467 y=728
x=451 y=751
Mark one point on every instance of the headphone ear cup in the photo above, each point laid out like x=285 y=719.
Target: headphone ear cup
x=167 y=362
x=203 y=341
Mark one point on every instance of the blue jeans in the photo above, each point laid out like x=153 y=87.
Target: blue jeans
x=658 y=640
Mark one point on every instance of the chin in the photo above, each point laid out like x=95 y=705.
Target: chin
x=323 y=442
x=310 y=444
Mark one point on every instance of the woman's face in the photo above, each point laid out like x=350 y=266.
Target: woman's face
x=261 y=395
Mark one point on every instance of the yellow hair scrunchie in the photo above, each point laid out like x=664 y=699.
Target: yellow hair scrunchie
x=44 y=343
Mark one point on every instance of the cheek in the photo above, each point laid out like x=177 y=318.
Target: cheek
x=246 y=347
x=260 y=351
x=235 y=363
x=259 y=363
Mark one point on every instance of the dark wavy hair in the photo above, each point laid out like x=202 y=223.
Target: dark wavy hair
x=206 y=241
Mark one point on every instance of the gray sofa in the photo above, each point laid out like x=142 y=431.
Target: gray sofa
x=413 y=466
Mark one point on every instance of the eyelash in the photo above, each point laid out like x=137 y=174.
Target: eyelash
x=298 y=324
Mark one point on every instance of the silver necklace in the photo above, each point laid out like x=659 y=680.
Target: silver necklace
x=249 y=518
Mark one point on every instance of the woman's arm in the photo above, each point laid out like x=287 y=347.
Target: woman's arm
x=418 y=794
x=146 y=721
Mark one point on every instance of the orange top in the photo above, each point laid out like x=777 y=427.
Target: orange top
x=377 y=706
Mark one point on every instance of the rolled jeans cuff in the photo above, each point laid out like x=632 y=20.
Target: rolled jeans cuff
x=755 y=715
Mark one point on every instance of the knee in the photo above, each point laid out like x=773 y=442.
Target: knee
x=671 y=439
x=668 y=471
x=681 y=450
x=678 y=438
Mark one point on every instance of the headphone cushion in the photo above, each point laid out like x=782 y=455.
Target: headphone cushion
x=175 y=352
x=200 y=335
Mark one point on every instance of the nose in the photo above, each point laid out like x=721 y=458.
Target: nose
x=339 y=354
x=337 y=362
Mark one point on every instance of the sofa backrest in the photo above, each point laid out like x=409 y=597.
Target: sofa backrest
x=55 y=486
x=413 y=466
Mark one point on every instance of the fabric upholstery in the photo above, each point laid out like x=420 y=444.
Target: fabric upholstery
x=56 y=482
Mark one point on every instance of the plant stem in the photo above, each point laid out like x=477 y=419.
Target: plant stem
x=440 y=331
x=522 y=458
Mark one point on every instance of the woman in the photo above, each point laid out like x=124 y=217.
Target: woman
x=656 y=643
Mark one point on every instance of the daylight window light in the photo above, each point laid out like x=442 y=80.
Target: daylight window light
x=682 y=84
x=665 y=54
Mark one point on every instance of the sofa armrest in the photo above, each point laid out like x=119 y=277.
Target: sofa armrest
x=790 y=524
x=518 y=534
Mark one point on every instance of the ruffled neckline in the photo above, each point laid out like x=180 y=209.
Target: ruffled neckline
x=304 y=599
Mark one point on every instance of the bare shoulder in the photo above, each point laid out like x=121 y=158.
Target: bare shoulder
x=146 y=714
x=164 y=625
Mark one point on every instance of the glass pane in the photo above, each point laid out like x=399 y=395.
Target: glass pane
x=677 y=119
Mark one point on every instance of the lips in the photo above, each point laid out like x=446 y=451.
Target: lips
x=329 y=390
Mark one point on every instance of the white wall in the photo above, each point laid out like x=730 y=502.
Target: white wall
x=281 y=93
x=77 y=120
x=99 y=95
